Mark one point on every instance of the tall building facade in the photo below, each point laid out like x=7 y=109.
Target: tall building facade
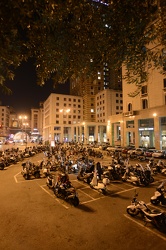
x=37 y=123
x=143 y=122
x=63 y=118
x=4 y=122
x=106 y=78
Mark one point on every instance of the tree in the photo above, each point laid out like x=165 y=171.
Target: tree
x=70 y=37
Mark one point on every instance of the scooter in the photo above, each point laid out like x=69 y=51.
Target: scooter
x=50 y=181
x=155 y=217
x=84 y=176
x=64 y=189
x=129 y=176
x=159 y=195
x=100 y=186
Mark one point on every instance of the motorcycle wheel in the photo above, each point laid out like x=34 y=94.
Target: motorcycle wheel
x=155 y=202
x=27 y=177
x=132 y=212
x=57 y=193
x=104 y=191
x=37 y=175
x=89 y=180
x=75 y=201
x=145 y=183
x=151 y=179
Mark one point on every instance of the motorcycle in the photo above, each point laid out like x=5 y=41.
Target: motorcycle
x=155 y=217
x=2 y=164
x=84 y=176
x=113 y=172
x=30 y=169
x=159 y=195
x=50 y=181
x=160 y=167
x=64 y=189
x=100 y=186
x=136 y=177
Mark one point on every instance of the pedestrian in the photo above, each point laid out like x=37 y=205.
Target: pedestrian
x=99 y=170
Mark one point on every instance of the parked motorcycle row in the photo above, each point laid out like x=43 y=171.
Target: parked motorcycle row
x=59 y=162
x=118 y=170
x=15 y=155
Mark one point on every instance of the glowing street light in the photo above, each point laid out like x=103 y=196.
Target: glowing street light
x=23 y=118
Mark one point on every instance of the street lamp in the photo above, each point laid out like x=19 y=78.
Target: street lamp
x=23 y=118
x=26 y=125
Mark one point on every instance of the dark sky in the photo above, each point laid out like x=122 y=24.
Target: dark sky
x=26 y=93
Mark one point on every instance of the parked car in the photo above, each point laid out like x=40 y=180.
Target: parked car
x=159 y=154
x=136 y=151
x=114 y=149
x=104 y=146
x=149 y=152
x=126 y=149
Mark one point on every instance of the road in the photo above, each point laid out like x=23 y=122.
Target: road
x=33 y=218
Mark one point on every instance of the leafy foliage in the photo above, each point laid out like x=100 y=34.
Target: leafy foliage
x=69 y=37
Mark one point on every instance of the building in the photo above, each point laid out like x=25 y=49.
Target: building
x=106 y=78
x=4 y=122
x=62 y=117
x=37 y=123
x=143 y=122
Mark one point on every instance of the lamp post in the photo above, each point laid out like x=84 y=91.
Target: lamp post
x=26 y=125
x=23 y=118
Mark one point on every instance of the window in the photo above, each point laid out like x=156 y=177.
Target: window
x=144 y=90
x=164 y=83
x=57 y=98
x=129 y=107
x=144 y=104
x=56 y=128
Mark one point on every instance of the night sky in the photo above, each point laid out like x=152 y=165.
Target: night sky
x=26 y=94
